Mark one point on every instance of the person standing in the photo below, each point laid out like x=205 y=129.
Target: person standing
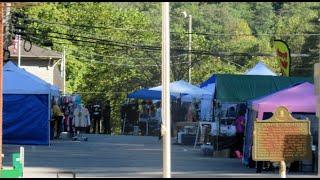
x=240 y=125
x=158 y=118
x=178 y=113
x=58 y=116
x=106 y=118
x=89 y=107
x=96 y=116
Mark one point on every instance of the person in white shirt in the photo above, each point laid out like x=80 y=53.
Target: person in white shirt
x=158 y=117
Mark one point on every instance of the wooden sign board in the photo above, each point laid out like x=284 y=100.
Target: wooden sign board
x=281 y=138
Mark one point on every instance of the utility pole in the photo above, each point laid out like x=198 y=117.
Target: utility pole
x=64 y=71
x=19 y=49
x=318 y=107
x=165 y=114
x=1 y=79
x=190 y=41
x=7 y=38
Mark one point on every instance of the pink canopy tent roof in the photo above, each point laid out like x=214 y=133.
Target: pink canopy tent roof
x=300 y=98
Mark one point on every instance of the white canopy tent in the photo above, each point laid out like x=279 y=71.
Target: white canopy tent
x=260 y=69
x=179 y=88
x=206 y=102
x=189 y=93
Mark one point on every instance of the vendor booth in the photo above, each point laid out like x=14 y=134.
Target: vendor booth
x=209 y=85
x=238 y=89
x=300 y=100
x=26 y=107
x=148 y=123
x=178 y=89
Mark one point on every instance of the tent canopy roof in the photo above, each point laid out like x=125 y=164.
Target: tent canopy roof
x=177 y=89
x=260 y=69
x=298 y=98
x=241 y=88
x=19 y=81
x=147 y=94
x=183 y=87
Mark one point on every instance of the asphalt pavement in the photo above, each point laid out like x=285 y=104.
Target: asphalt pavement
x=126 y=156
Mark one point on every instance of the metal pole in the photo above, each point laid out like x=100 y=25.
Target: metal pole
x=6 y=28
x=190 y=41
x=318 y=152
x=282 y=169
x=1 y=80
x=166 y=126
x=19 y=50
x=319 y=39
x=64 y=71
x=22 y=157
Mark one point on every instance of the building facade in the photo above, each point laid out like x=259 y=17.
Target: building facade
x=42 y=62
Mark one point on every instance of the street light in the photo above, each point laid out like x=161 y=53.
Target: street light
x=190 y=40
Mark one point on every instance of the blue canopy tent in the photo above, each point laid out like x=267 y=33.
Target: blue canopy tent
x=147 y=94
x=26 y=107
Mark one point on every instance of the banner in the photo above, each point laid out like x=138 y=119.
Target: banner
x=283 y=57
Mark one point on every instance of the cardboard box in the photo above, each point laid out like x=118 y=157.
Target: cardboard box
x=225 y=153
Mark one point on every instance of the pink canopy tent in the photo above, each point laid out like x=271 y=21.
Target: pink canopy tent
x=300 y=98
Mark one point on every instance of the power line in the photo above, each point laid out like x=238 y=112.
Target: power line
x=110 y=63
x=122 y=57
x=156 y=48
x=195 y=33
x=136 y=46
x=87 y=26
x=120 y=64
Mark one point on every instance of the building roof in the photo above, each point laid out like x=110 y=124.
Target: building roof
x=35 y=52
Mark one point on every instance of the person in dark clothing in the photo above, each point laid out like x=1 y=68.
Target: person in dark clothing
x=129 y=115
x=106 y=118
x=90 y=108
x=177 y=115
x=259 y=166
x=96 y=116
x=133 y=111
x=123 y=113
x=240 y=127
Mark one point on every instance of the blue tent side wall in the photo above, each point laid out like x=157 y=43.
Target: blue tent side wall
x=25 y=119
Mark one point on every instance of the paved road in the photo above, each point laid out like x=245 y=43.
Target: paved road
x=115 y=156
